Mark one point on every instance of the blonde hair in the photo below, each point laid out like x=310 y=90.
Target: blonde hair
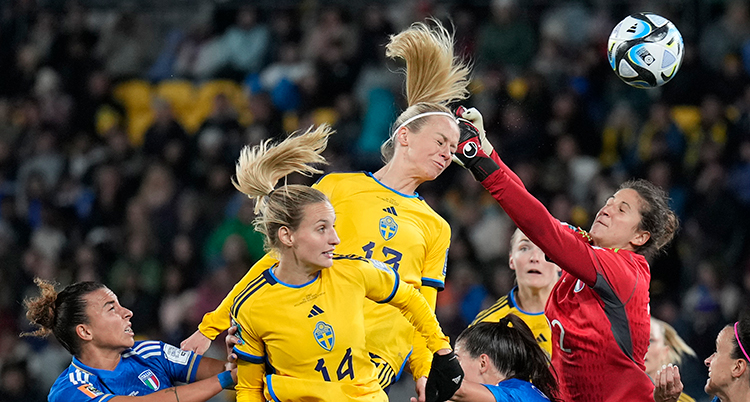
x=677 y=347
x=434 y=76
x=260 y=167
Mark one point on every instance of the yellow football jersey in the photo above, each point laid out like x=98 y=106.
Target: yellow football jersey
x=685 y=398
x=376 y=222
x=537 y=322
x=311 y=337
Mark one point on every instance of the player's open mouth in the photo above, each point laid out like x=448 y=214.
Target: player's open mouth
x=533 y=271
x=129 y=330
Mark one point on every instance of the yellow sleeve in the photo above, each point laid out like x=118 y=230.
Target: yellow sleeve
x=250 y=382
x=217 y=321
x=420 y=360
x=251 y=359
x=416 y=309
x=436 y=260
x=382 y=285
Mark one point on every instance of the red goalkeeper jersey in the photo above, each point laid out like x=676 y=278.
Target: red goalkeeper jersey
x=599 y=308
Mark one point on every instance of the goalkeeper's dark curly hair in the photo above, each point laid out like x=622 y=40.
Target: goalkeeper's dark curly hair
x=259 y=169
x=59 y=313
x=656 y=216
x=435 y=77
x=514 y=352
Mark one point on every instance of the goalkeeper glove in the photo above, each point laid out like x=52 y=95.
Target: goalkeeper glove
x=445 y=377
x=470 y=153
x=475 y=118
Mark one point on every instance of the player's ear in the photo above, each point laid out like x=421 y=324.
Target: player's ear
x=511 y=263
x=640 y=238
x=484 y=363
x=401 y=136
x=285 y=236
x=84 y=332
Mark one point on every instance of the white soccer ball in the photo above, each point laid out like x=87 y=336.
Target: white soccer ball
x=645 y=50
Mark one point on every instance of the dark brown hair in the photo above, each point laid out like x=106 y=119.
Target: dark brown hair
x=59 y=313
x=656 y=217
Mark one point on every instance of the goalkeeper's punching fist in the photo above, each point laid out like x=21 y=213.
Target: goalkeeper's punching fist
x=474 y=149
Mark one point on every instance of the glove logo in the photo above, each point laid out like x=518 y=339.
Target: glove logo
x=470 y=150
x=457 y=379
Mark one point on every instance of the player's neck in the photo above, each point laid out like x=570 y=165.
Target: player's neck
x=532 y=300
x=99 y=358
x=738 y=391
x=397 y=178
x=294 y=274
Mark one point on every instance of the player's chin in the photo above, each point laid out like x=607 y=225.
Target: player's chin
x=708 y=388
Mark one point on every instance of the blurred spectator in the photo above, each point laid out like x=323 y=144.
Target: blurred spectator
x=660 y=138
x=725 y=36
x=17 y=384
x=708 y=304
x=137 y=269
x=246 y=43
x=506 y=38
x=375 y=31
x=166 y=140
x=72 y=52
x=241 y=226
x=124 y=46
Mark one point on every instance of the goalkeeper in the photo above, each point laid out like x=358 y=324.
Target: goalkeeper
x=599 y=309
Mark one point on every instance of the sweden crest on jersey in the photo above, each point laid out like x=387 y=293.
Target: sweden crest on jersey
x=324 y=335
x=388 y=227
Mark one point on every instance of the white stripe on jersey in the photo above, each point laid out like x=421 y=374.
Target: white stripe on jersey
x=147 y=355
x=146 y=344
x=78 y=377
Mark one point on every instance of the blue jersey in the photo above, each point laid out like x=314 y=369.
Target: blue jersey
x=515 y=390
x=143 y=369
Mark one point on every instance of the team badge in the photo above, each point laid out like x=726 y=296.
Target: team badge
x=579 y=286
x=149 y=379
x=388 y=227
x=324 y=335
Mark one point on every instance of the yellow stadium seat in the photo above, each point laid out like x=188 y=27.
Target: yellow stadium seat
x=133 y=94
x=138 y=124
x=180 y=94
x=325 y=115
x=687 y=118
x=206 y=94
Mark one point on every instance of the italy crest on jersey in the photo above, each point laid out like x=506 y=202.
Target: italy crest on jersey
x=388 y=227
x=324 y=335
x=149 y=379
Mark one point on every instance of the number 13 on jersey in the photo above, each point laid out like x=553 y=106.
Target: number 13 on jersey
x=393 y=257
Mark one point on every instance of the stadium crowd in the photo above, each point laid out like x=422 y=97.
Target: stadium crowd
x=120 y=129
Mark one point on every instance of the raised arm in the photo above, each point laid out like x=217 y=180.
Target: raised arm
x=559 y=243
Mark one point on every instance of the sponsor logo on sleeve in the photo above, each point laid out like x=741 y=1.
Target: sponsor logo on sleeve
x=175 y=355
x=90 y=391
